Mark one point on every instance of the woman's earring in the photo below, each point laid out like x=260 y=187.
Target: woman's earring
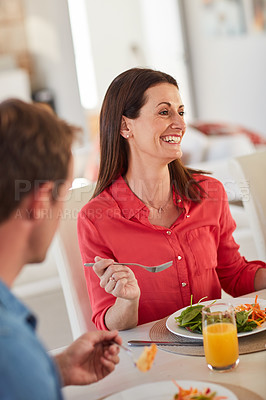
x=127 y=136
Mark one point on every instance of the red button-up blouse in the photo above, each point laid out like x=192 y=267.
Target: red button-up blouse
x=205 y=256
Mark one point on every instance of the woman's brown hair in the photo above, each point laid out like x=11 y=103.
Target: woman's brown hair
x=126 y=96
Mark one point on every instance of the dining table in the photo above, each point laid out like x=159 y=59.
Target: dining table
x=247 y=381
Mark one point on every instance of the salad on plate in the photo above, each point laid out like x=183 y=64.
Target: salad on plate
x=196 y=394
x=248 y=316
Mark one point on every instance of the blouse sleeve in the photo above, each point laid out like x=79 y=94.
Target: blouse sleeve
x=91 y=245
x=235 y=273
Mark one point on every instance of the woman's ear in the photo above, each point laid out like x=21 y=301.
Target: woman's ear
x=125 y=129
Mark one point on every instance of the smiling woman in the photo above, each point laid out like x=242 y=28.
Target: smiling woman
x=162 y=118
x=148 y=208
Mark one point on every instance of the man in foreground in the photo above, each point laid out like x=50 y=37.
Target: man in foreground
x=35 y=175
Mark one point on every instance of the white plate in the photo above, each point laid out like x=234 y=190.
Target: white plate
x=165 y=390
x=173 y=326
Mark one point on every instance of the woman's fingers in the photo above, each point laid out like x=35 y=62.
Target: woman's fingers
x=110 y=285
x=118 y=280
x=112 y=274
x=110 y=281
x=115 y=271
x=101 y=265
x=126 y=289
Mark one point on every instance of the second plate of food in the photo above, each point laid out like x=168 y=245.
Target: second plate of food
x=166 y=390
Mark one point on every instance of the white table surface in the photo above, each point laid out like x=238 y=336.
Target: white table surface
x=250 y=373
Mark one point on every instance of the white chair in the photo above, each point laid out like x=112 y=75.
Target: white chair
x=68 y=260
x=243 y=234
x=249 y=172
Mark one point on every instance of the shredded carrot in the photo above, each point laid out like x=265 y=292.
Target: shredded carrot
x=194 y=393
x=256 y=322
x=256 y=314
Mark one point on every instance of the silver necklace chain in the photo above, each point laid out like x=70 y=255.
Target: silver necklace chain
x=160 y=209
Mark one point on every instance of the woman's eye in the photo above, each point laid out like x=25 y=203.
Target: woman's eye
x=164 y=112
x=182 y=113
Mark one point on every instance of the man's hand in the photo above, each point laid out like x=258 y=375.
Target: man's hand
x=90 y=358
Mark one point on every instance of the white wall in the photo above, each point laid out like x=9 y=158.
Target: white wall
x=164 y=46
x=229 y=73
x=133 y=33
x=115 y=26
x=50 y=44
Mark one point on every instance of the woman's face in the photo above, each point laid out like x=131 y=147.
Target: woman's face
x=158 y=131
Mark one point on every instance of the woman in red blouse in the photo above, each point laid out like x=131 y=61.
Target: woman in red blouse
x=149 y=208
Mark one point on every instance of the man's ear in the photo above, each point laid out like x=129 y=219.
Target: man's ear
x=125 y=129
x=38 y=203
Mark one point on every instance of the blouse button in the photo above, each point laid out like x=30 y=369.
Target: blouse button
x=179 y=258
x=183 y=284
x=168 y=232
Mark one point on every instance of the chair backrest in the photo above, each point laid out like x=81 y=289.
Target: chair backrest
x=69 y=264
x=249 y=172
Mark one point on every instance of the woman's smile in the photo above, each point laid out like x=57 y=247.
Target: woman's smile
x=172 y=139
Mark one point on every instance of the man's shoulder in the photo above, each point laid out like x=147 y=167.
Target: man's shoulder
x=18 y=340
x=26 y=370
x=13 y=328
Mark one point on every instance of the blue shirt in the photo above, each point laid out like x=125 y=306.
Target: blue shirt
x=26 y=370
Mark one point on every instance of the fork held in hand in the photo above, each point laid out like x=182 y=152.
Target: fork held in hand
x=127 y=350
x=154 y=268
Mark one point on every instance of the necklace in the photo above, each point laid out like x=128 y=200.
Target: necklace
x=160 y=209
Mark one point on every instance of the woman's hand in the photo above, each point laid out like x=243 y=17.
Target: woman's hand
x=90 y=358
x=119 y=280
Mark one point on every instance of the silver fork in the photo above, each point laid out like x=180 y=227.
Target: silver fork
x=154 y=268
x=128 y=351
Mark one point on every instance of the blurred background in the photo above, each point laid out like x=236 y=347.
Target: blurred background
x=70 y=51
x=65 y=53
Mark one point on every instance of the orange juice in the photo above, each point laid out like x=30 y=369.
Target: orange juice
x=220 y=344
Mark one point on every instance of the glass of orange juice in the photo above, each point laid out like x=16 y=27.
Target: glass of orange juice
x=220 y=336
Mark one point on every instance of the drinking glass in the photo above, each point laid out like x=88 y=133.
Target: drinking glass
x=220 y=336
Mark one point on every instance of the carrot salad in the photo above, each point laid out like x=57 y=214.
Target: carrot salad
x=256 y=314
x=194 y=393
